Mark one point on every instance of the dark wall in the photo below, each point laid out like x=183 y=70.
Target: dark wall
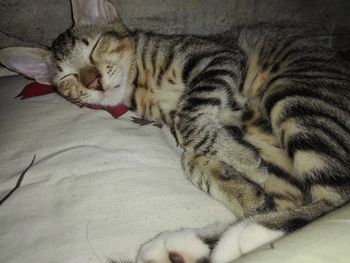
x=33 y=22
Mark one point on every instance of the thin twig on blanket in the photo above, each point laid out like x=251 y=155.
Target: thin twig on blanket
x=88 y=240
x=19 y=181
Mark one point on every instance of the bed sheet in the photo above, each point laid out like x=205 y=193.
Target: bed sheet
x=98 y=187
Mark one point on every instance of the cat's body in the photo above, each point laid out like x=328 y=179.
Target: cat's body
x=264 y=123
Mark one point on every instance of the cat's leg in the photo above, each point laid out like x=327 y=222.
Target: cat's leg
x=225 y=243
x=220 y=243
x=226 y=184
x=73 y=90
x=218 y=160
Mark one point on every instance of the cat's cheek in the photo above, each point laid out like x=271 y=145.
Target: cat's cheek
x=110 y=93
x=111 y=97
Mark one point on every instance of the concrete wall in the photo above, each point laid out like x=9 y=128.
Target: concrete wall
x=35 y=22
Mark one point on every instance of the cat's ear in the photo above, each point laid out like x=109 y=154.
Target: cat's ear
x=31 y=62
x=87 y=12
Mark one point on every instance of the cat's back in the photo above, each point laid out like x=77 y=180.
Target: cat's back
x=292 y=55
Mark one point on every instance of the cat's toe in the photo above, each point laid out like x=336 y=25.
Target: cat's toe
x=182 y=246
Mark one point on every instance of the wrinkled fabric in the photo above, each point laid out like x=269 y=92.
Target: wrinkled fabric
x=98 y=188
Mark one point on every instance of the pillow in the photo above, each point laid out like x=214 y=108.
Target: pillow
x=98 y=187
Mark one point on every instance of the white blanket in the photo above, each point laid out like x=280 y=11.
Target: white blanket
x=98 y=188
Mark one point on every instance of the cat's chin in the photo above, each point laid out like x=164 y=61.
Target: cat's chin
x=111 y=97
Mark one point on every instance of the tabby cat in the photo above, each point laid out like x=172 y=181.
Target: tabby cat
x=263 y=120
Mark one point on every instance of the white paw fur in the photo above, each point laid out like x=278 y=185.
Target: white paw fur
x=241 y=239
x=184 y=243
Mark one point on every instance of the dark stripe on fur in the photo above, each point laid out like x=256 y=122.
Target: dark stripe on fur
x=285 y=93
x=301 y=110
x=236 y=133
x=154 y=58
x=280 y=173
x=168 y=60
x=331 y=176
x=145 y=47
x=193 y=62
x=195 y=102
x=210 y=74
x=311 y=142
x=294 y=224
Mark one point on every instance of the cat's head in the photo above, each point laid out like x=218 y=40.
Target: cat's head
x=90 y=63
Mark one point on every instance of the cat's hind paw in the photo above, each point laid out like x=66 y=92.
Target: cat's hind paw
x=183 y=246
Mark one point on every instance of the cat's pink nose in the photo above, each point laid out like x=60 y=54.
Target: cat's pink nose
x=90 y=78
x=95 y=84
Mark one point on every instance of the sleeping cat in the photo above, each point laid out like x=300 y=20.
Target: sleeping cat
x=263 y=120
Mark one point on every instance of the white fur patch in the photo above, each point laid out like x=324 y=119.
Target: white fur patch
x=241 y=239
x=256 y=235
x=228 y=247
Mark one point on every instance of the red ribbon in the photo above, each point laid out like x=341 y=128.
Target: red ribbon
x=35 y=89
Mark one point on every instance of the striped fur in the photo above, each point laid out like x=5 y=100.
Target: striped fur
x=264 y=123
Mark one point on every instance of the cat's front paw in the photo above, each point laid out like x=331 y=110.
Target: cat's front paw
x=241 y=239
x=183 y=246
